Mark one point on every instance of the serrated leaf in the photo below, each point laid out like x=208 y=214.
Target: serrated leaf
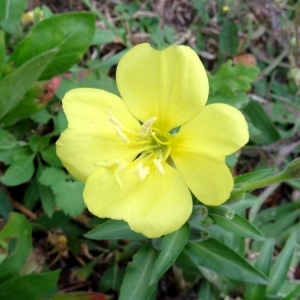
x=10 y=15
x=281 y=265
x=51 y=175
x=263 y=263
x=137 y=275
x=216 y=256
x=14 y=86
x=70 y=33
x=32 y=286
x=113 y=230
x=17 y=232
x=172 y=245
x=20 y=171
x=230 y=79
x=236 y=224
x=68 y=197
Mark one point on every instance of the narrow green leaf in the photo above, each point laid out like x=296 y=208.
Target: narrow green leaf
x=262 y=121
x=216 y=256
x=16 y=84
x=32 y=286
x=253 y=176
x=294 y=294
x=228 y=39
x=263 y=263
x=2 y=52
x=17 y=232
x=137 y=275
x=70 y=33
x=113 y=230
x=11 y=13
x=281 y=265
x=20 y=171
x=206 y=291
x=172 y=245
x=236 y=224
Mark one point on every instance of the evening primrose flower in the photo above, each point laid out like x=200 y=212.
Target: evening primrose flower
x=142 y=155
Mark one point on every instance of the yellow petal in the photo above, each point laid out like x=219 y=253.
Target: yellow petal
x=218 y=130
x=170 y=85
x=89 y=139
x=208 y=178
x=155 y=206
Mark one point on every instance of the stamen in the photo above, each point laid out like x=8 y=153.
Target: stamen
x=146 y=127
x=114 y=167
x=114 y=123
x=158 y=165
x=142 y=171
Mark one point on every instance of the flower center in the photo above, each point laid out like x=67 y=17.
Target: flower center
x=153 y=148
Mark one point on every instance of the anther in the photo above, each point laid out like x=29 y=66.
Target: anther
x=158 y=165
x=147 y=126
x=114 y=123
x=142 y=171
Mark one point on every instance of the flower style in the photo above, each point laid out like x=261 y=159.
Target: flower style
x=134 y=164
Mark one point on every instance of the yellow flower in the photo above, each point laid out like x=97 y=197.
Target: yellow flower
x=134 y=164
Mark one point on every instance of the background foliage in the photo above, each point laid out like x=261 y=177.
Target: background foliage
x=52 y=248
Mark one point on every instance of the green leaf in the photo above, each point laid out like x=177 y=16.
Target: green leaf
x=17 y=233
x=7 y=140
x=137 y=275
x=50 y=176
x=252 y=176
x=5 y=206
x=20 y=171
x=49 y=155
x=48 y=199
x=111 y=278
x=172 y=245
x=2 y=51
x=263 y=263
x=236 y=224
x=228 y=39
x=113 y=230
x=281 y=265
x=294 y=294
x=216 y=256
x=230 y=79
x=16 y=84
x=70 y=33
x=262 y=121
x=38 y=143
x=10 y=14
x=68 y=197
x=32 y=286
x=206 y=291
